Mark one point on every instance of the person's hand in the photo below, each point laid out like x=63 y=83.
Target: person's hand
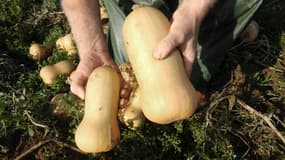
x=84 y=19
x=79 y=77
x=183 y=32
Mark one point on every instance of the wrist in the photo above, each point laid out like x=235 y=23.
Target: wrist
x=206 y=6
x=92 y=47
x=84 y=19
x=87 y=65
x=199 y=8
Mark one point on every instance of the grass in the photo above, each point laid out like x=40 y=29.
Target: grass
x=225 y=129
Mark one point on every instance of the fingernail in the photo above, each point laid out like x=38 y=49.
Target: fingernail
x=124 y=93
x=81 y=95
x=157 y=53
x=123 y=102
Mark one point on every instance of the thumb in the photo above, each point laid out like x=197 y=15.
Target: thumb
x=77 y=85
x=166 y=45
x=189 y=54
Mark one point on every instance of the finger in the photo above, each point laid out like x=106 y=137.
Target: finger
x=125 y=92
x=107 y=60
x=77 y=86
x=78 y=90
x=168 y=44
x=189 y=55
x=123 y=102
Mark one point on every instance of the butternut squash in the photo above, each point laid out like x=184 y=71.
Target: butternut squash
x=98 y=130
x=50 y=72
x=39 y=52
x=60 y=109
x=167 y=95
x=67 y=43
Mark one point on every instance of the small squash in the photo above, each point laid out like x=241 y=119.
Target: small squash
x=50 y=72
x=167 y=95
x=60 y=109
x=98 y=130
x=67 y=43
x=39 y=52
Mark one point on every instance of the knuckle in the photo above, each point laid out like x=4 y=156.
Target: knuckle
x=178 y=37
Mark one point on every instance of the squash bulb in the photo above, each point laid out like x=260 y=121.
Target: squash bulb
x=99 y=131
x=167 y=95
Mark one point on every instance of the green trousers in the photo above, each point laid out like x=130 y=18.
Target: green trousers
x=220 y=28
x=218 y=32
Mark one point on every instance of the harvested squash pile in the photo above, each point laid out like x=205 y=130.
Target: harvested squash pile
x=50 y=72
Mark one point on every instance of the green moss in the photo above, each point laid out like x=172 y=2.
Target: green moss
x=12 y=11
x=54 y=33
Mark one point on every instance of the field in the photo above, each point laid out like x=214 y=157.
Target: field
x=243 y=119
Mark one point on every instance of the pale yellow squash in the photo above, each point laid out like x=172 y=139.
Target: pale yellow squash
x=166 y=92
x=67 y=43
x=39 y=52
x=50 y=72
x=99 y=131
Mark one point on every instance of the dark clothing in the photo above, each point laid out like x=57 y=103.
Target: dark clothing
x=219 y=30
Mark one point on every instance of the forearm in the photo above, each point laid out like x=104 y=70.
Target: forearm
x=198 y=8
x=205 y=6
x=84 y=19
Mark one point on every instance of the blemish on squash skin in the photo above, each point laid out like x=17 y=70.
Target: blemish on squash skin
x=100 y=108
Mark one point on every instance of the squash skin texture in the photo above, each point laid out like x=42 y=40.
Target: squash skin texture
x=167 y=93
x=64 y=67
x=99 y=131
